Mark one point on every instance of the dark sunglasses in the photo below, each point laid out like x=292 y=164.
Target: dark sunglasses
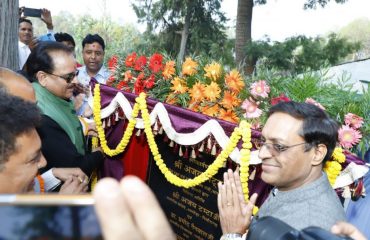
x=67 y=77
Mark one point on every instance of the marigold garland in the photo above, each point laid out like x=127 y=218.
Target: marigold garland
x=333 y=166
x=99 y=126
x=41 y=183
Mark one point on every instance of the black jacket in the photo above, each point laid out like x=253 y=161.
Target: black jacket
x=59 y=151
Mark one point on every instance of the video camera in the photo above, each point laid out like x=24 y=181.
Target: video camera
x=270 y=228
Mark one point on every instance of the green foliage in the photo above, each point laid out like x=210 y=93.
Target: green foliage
x=338 y=98
x=300 y=54
x=165 y=22
x=313 y=3
x=358 y=31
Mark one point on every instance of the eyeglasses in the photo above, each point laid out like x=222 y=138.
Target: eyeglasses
x=67 y=77
x=274 y=148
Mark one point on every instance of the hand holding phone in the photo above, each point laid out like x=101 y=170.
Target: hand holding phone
x=46 y=18
x=31 y=12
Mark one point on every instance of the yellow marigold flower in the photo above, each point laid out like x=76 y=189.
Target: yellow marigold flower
x=230 y=100
x=213 y=71
x=338 y=155
x=234 y=81
x=212 y=91
x=228 y=115
x=189 y=67
x=197 y=92
x=169 y=70
x=179 y=85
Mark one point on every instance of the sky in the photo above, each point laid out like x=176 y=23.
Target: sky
x=279 y=19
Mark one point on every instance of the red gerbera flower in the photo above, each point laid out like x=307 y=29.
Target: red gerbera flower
x=112 y=63
x=111 y=80
x=121 y=85
x=140 y=63
x=138 y=86
x=155 y=62
x=149 y=83
x=130 y=60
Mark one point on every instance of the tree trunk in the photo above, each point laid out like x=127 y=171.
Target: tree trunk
x=9 y=34
x=243 y=33
x=185 y=33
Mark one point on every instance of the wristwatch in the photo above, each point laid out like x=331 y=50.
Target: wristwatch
x=231 y=236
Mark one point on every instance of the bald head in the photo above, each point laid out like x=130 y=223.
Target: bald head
x=16 y=85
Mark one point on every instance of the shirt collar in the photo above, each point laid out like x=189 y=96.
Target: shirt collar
x=21 y=44
x=101 y=73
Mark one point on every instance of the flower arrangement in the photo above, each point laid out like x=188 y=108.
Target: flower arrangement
x=215 y=90
x=139 y=73
x=208 y=89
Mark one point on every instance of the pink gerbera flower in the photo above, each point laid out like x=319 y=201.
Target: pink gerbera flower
x=353 y=120
x=260 y=88
x=313 y=102
x=251 y=109
x=348 y=137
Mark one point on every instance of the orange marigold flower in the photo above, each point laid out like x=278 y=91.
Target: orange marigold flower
x=169 y=70
x=171 y=99
x=212 y=91
x=228 y=115
x=230 y=100
x=234 y=81
x=211 y=110
x=197 y=92
x=189 y=67
x=179 y=85
x=213 y=71
x=194 y=106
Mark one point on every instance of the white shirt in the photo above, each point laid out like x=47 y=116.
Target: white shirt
x=84 y=78
x=23 y=51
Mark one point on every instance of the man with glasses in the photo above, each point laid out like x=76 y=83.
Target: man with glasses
x=53 y=66
x=297 y=140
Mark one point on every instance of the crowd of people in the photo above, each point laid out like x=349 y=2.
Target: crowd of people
x=43 y=112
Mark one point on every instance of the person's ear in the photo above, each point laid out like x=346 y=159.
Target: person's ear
x=319 y=154
x=42 y=78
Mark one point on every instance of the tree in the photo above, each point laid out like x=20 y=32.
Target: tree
x=358 y=31
x=9 y=34
x=244 y=27
x=199 y=24
x=300 y=54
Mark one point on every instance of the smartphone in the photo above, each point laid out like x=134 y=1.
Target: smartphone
x=32 y=12
x=48 y=217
